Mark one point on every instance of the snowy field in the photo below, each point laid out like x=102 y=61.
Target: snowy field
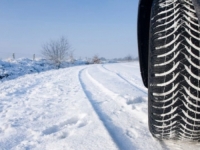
x=91 y=107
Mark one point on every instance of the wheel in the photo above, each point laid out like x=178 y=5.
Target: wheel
x=174 y=71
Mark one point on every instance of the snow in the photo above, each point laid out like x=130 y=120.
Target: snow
x=13 y=68
x=88 y=107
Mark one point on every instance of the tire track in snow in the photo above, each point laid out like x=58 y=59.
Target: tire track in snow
x=128 y=129
x=120 y=76
x=122 y=141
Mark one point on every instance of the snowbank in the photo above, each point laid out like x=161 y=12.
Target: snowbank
x=11 y=69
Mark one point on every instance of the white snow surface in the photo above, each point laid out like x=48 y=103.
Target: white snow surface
x=91 y=107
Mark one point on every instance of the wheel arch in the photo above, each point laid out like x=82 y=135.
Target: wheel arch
x=144 y=13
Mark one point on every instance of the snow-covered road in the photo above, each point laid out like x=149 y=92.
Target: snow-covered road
x=94 y=107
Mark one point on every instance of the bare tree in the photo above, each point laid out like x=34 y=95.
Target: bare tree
x=56 y=51
x=128 y=58
x=96 y=59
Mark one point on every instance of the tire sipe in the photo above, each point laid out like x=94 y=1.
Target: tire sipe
x=174 y=71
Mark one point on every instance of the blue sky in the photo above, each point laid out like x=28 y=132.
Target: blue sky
x=103 y=27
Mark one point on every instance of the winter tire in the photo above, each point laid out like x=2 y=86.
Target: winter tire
x=174 y=71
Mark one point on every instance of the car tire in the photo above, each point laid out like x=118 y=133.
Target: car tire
x=174 y=71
